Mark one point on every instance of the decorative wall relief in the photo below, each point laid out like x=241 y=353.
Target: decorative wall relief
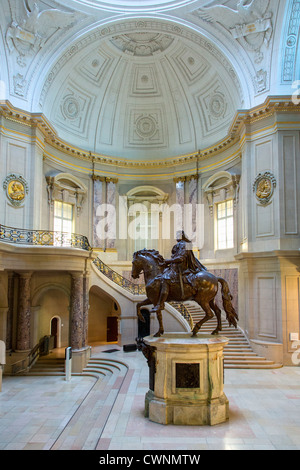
x=142 y=44
x=146 y=126
x=263 y=187
x=250 y=24
x=16 y=188
x=31 y=28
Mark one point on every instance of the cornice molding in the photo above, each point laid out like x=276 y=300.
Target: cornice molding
x=272 y=106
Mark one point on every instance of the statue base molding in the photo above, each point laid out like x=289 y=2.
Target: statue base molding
x=187 y=379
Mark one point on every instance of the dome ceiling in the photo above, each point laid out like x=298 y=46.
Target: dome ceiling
x=142 y=90
x=144 y=80
x=134 y=5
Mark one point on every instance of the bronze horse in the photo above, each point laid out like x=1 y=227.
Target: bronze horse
x=202 y=289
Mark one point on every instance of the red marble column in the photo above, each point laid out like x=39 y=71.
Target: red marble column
x=24 y=313
x=85 y=309
x=77 y=311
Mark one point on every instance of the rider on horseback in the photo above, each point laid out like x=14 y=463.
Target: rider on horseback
x=182 y=263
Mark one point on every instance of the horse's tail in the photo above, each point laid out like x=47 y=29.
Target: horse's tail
x=231 y=314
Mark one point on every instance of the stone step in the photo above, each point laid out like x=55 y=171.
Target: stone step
x=48 y=366
x=245 y=365
x=238 y=353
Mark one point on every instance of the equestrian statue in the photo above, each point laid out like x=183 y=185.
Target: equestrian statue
x=179 y=279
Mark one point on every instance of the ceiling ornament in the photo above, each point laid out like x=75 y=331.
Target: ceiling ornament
x=142 y=44
x=31 y=28
x=250 y=23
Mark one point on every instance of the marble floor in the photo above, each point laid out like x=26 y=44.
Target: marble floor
x=50 y=413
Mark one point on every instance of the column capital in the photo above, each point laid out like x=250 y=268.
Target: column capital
x=111 y=180
x=98 y=178
x=25 y=274
x=76 y=274
x=179 y=179
x=192 y=177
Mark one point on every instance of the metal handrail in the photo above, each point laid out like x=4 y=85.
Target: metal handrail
x=43 y=238
x=27 y=362
x=137 y=289
x=184 y=312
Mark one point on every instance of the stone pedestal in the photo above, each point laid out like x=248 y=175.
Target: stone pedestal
x=186 y=379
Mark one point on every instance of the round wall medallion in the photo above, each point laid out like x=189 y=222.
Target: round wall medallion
x=16 y=189
x=146 y=127
x=70 y=107
x=264 y=186
x=217 y=105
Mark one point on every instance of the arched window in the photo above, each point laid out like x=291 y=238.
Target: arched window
x=221 y=191
x=66 y=195
x=144 y=217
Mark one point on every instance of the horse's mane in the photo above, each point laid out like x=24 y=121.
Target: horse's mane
x=153 y=253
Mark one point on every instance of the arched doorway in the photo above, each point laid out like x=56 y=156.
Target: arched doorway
x=104 y=312
x=50 y=314
x=55 y=331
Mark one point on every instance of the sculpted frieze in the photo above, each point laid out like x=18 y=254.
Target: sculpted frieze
x=31 y=28
x=249 y=23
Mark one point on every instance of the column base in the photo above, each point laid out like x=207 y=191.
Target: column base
x=80 y=358
x=197 y=413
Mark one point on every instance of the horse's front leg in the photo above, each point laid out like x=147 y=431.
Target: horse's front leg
x=138 y=308
x=161 y=327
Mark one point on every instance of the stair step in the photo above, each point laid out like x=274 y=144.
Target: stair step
x=238 y=353
x=245 y=365
x=48 y=366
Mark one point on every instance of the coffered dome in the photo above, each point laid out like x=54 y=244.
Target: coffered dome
x=142 y=89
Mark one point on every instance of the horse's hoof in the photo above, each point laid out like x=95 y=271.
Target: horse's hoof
x=157 y=335
x=215 y=332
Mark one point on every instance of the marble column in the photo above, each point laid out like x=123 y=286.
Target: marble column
x=191 y=223
x=10 y=311
x=85 y=308
x=77 y=311
x=111 y=192
x=24 y=313
x=98 y=238
x=179 y=215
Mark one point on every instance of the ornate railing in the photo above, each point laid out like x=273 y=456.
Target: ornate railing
x=137 y=289
x=184 y=312
x=43 y=238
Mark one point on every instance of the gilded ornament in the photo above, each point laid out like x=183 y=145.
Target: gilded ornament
x=16 y=189
x=264 y=186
